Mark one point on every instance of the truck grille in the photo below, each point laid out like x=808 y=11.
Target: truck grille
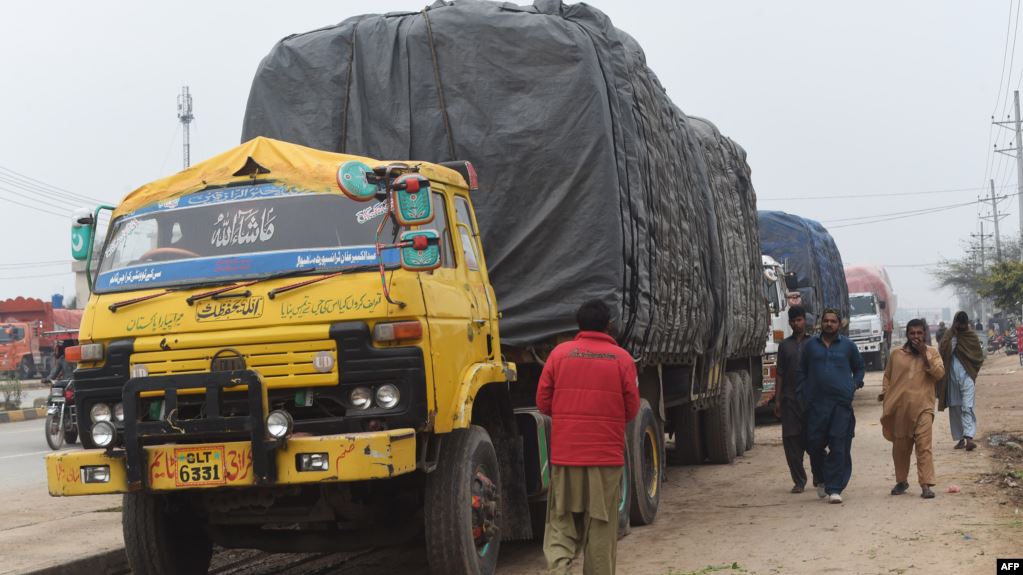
x=280 y=364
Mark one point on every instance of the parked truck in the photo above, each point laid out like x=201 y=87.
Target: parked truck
x=297 y=350
x=813 y=264
x=872 y=305
x=776 y=294
x=29 y=330
x=806 y=255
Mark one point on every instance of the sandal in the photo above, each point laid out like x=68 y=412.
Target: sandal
x=900 y=488
x=927 y=493
x=970 y=445
x=961 y=444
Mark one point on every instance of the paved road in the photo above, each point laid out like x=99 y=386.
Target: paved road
x=22 y=448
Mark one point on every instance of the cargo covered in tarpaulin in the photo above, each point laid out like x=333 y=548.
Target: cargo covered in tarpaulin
x=592 y=183
x=806 y=248
x=874 y=279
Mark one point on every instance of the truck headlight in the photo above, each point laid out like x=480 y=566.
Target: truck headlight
x=95 y=474
x=279 y=423
x=99 y=412
x=103 y=433
x=387 y=396
x=119 y=411
x=361 y=398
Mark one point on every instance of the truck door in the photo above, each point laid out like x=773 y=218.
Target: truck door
x=451 y=307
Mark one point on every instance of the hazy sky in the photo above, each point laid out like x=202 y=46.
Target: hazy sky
x=829 y=99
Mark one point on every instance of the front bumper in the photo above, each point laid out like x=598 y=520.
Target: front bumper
x=868 y=346
x=352 y=457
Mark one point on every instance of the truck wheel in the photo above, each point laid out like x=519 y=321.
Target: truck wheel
x=625 y=500
x=70 y=437
x=746 y=381
x=463 y=494
x=719 y=430
x=54 y=434
x=27 y=368
x=645 y=447
x=738 y=415
x=688 y=439
x=163 y=539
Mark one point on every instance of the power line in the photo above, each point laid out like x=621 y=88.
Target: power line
x=53 y=189
x=877 y=218
x=36 y=276
x=882 y=195
x=36 y=208
x=45 y=264
x=45 y=202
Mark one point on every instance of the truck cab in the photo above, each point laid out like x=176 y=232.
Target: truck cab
x=19 y=349
x=866 y=328
x=281 y=336
x=776 y=294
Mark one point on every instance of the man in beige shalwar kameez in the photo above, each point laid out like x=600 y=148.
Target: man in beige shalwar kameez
x=910 y=379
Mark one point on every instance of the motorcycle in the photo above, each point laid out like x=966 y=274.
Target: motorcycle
x=61 y=419
x=1011 y=346
x=995 y=343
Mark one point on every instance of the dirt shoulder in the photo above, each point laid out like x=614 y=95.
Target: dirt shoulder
x=740 y=518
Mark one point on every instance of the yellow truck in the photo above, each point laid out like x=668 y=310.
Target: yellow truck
x=284 y=344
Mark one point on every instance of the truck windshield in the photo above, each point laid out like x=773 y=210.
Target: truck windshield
x=239 y=233
x=861 y=305
x=10 y=333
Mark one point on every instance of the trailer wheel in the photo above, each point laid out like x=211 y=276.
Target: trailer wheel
x=463 y=494
x=646 y=466
x=688 y=439
x=751 y=406
x=719 y=430
x=739 y=415
x=161 y=538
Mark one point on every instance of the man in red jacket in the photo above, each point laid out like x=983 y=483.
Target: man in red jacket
x=590 y=390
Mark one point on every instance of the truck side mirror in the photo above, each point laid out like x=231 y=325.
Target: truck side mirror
x=420 y=250
x=882 y=304
x=83 y=228
x=412 y=205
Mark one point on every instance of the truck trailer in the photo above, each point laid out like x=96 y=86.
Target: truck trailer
x=303 y=345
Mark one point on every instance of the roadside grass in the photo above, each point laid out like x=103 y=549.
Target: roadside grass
x=732 y=568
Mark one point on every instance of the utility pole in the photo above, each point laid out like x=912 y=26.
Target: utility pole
x=982 y=237
x=994 y=217
x=185 y=116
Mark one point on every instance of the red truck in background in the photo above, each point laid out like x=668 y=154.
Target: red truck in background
x=29 y=331
x=871 y=311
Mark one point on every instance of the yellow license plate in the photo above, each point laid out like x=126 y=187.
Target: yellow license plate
x=200 y=466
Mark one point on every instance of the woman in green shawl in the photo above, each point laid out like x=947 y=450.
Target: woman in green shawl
x=962 y=355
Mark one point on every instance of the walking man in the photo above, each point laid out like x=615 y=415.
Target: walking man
x=962 y=354
x=590 y=390
x=830 y=372
x=908 y=391
x=786 y=404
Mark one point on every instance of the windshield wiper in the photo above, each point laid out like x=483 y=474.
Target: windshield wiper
x=118 y=305
x=214 y=293
x=364 y=268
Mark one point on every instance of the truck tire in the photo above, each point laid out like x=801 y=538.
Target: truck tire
x=27 y=368
x=751 y=405
x=719 y=432
x=163 y=539
x=688 y=439
x=738 y=415
x=882 y=357
x=625 y=501
x=463 y=536
x=645 y=446
x=70 y=437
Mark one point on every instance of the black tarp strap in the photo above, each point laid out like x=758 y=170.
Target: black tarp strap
x=440 y=88
x=348 y=89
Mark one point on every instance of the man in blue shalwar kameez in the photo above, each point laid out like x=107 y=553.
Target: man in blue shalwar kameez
x=830 y=372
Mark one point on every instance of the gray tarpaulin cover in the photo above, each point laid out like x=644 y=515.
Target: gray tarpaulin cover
x=592 y=183
x=805 y=247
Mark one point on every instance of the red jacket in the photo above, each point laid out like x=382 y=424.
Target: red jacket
x=589 y=389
